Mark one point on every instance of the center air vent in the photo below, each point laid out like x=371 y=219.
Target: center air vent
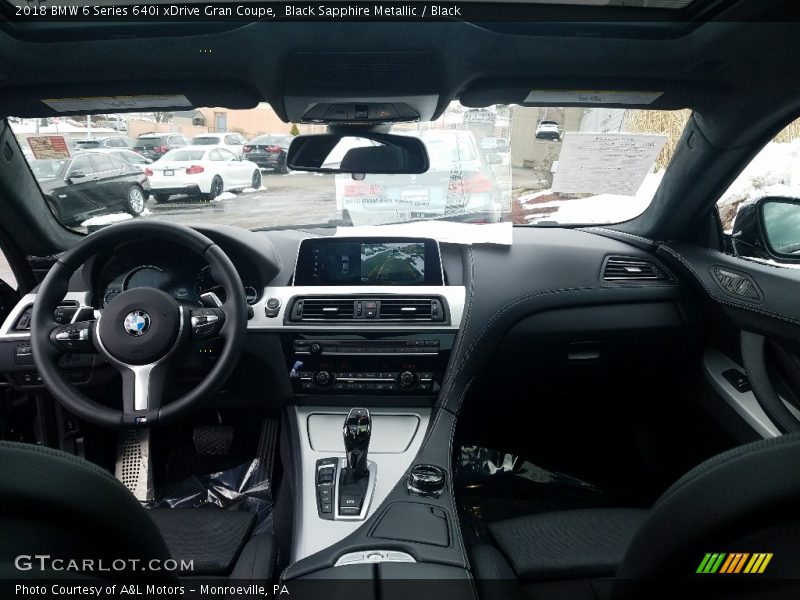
x=395 y=308
x=324 y=309
x=619 y=268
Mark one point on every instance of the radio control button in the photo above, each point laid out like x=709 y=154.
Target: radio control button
x=323 y=378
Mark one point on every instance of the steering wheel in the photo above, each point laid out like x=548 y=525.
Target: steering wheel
x=141 y=332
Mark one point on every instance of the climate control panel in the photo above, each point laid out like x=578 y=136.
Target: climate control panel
x=366 y=381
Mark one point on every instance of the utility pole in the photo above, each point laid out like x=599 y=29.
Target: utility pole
x=88 y=126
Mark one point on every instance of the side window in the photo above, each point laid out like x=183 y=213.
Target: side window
x=6 y=273
x=760 y=211
x=774 y=171
x=226 y=154
x=215 y=155
x=81 y=165
x=115 y=143
x=116 y=163
x=102 y=163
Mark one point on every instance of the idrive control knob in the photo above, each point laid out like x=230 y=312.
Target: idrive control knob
x=315 y=348
x=322 y=378
x=426 y=480
x=407 y=379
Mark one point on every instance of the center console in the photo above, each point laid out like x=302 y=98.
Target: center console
x=368 y=329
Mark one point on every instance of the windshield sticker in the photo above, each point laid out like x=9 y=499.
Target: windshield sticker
x=591 y=97
x=105 y=103
x=49 y=147
x=606 y=163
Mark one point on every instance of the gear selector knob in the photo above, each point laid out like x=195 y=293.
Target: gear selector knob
x=357 y=432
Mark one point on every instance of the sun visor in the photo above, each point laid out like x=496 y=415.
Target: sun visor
x=84 y=98
x=613 y=94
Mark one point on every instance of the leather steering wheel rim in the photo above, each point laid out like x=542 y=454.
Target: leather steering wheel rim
x=54 y=287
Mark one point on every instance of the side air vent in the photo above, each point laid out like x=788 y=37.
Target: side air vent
x=620 y=268
x=384 y=309
x=736 y=284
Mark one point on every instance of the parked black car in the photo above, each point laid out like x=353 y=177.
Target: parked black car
x=89 y=184
x=268 y=151
x=156 y=145
x=110 y=141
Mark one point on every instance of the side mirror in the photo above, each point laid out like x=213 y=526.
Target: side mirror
x=74 y=175
x=768 y=229
x=367 y=153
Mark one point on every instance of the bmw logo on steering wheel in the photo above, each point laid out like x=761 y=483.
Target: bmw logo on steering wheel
x=137 y=323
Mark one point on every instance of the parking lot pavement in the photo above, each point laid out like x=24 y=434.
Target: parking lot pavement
x=292 y=199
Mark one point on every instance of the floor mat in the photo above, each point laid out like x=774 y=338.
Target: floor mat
x=243 y=487
x=226 y=479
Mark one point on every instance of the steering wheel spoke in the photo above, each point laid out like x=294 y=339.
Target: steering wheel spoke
x=142 y=391
x=207 y=322
x=75 y=337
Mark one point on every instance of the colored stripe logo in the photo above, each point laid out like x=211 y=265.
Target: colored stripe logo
x=734 y=563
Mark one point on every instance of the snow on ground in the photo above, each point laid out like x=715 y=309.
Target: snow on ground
x=224 y=196
x=249 y=190
x=775 y=171
x=106 y=219
x=602 y=208
x=776 y=165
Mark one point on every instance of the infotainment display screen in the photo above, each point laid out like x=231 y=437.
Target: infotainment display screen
x=368 y=261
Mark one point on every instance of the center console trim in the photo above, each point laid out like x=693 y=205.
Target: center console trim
x=455 y=296
x=311 y=533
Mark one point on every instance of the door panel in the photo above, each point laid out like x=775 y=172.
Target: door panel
x=760 y=301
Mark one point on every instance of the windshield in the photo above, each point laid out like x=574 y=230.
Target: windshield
x=525 y=165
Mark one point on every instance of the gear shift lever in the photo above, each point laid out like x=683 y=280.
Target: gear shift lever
x=357 y=432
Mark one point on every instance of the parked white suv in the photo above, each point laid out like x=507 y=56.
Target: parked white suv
x=548 y=130
x=232 y=141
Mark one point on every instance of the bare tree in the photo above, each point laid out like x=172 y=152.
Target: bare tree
x=163 y=117
x=666 y=122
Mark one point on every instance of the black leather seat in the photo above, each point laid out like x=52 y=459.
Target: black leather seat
x=57 y=504
x=744 y=500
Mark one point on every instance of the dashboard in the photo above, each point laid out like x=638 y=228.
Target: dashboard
x=168 y=268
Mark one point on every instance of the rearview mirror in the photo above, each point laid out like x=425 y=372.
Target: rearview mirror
x=769 y=229
x=368 y=153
